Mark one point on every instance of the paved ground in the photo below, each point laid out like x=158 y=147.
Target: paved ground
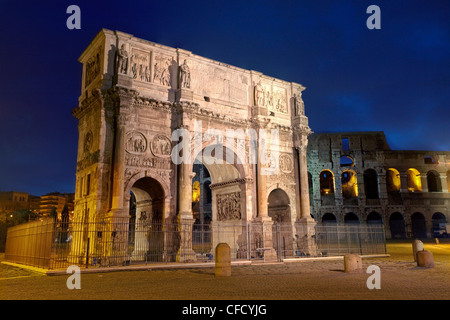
x=401 y=279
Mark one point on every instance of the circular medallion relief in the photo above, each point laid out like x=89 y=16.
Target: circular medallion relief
x=286 y=163
x=161 y=146
x=136 y=143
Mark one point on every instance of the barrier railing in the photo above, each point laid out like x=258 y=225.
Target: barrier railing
x=54 y=245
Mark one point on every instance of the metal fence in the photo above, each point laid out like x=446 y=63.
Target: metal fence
x=333 y=240
x=30 y=243
x=55 y=245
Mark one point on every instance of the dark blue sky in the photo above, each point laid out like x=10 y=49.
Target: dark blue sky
x=394 y=80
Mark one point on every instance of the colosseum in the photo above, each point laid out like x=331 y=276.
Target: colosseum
x=355 y=177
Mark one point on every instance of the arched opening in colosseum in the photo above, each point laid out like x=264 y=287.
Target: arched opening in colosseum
x=347 y=161
x=429 y=160
x=351 y=218
x=326 y=181
x=393 y=182
x=439 y=224
x=414 y=180
x=371 y=184
x=418 y=224
x=434 y=181
x=329 y=218
x=397 y=225
x=349 y=185
x=374 y=218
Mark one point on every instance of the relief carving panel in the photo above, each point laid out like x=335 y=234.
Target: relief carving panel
x=229 y=206
x=140 y=65
x=273 y=98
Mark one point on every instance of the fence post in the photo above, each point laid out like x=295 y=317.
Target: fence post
x=249 y=242
x=87 y=252
x=279 y=249
x=358 y=231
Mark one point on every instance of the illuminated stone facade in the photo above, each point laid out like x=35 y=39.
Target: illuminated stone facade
x=356 y=178
x=136 y=93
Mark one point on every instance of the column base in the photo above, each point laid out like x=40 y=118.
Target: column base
x=306 y=236
x=185 y=252
x=268 y=251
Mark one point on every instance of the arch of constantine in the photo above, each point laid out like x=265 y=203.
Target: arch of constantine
x=139 y=101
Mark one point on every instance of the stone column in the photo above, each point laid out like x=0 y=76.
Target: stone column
x=443 y=180
x=305 y=226
x=124 y=99
x=304 y=186
x=423 y=179
x=118 y=216
x=118 y=169
x=185 y=219
x=263 y=215
x=404 y=184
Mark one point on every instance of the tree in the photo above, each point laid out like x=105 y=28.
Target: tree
x=53 y=214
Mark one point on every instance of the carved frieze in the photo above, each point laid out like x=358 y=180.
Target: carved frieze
x=273 y=98
x=229 y=206
x=146 y=162
x=140 y=65
x=162 y=70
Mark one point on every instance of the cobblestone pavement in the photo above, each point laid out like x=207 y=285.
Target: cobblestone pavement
x=401 y=279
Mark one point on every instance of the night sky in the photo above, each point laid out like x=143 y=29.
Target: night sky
x=395 y=79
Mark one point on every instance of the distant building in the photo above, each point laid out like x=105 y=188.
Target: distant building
x=11 y=201
x=58 y=201
x=357 y=178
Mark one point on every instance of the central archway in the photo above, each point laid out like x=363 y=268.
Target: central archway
x=225 y=188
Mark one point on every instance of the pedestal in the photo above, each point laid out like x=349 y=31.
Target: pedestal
x=270 y=254
x=185 y=252
x=184 y=95
x=306 y=240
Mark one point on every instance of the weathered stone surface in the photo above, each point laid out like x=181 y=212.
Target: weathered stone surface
x=425 y=259
x=357 y=176
x=223 y=260
x=417 y=246
x=135 y=94
x=352 y=263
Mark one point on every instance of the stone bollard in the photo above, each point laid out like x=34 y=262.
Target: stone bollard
x=223 y=260
x=417 y=246
x=352 y=262
x=425 y=259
